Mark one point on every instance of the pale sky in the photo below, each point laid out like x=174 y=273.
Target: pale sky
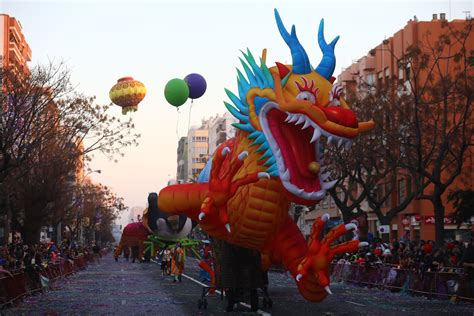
x=155 y=41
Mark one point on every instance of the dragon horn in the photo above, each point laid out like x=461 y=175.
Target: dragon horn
x=328 y=63
x=301 y=63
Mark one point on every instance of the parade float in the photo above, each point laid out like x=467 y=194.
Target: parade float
x=286 y=114
x=156 y=230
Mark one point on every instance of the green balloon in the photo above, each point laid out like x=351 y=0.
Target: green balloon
x=176 y=92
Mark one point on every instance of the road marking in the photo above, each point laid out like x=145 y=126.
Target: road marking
x=219 y=292
x=355 y=303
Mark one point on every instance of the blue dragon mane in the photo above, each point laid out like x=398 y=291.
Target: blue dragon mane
x=257 y=76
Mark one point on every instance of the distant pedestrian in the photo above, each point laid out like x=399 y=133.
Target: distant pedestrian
x=166 y=262
x=96 y=251
x=135 y=254
x=177 y=262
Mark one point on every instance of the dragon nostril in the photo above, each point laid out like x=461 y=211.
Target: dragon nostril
x=341 y=116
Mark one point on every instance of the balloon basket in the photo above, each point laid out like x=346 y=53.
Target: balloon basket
x=127 y=109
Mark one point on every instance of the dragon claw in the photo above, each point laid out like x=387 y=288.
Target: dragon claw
x=328 y=290
x=243 y=155
x=351 y=226
x=356 y=235
x=299 y=277
x=325 y=217
x=201 y=216
x=225 y=151
x=263 y=175
x=363 y=244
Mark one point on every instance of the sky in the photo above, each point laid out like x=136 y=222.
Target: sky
x=156 y=41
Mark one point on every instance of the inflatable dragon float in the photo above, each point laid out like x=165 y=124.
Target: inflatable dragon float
x=276 y=158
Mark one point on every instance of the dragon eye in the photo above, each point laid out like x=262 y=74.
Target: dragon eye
x=307 y=96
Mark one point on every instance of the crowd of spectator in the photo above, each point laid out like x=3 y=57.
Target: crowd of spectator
x=19 y=255
x=423 y=256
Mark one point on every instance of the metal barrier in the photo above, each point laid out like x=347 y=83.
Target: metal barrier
x=28 y=281
x=441 y=285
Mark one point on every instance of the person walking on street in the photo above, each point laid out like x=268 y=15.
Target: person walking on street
x=166 y=262
x=96 y=251
x=178 y=262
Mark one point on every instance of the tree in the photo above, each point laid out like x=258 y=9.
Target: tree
x=47 y=130
x=99 y=210
x=438 y=112
x=370 y=171
x=463 y=203
x=424 y=127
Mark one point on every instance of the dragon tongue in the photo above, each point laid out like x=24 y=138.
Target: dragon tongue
x=314 y=167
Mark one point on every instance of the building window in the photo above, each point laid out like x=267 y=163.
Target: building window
x=408 y=71
x=400 y=73
x=409 y=188
x=370 y=79
x=326 y=203
x=197 y=171
x=388 y=190
x=380 y=191
x=401 y=190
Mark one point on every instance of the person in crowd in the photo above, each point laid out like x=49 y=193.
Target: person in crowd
x=467 y=262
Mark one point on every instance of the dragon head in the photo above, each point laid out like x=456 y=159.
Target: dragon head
x=288 y=109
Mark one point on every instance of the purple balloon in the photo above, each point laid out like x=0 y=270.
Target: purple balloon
x=197 y=85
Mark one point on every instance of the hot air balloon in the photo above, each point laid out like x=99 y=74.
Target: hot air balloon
x=127 y=93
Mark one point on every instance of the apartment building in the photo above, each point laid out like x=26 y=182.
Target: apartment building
x=381 y=66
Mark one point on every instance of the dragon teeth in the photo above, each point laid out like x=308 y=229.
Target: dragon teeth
x=307 y=123
x=348 y=144
x=341 y=141
x=301 y=119
x=293 y=118
x=324 y=176
x=316 y=135
x=330 y=139
x=329 y=185
x=286 y=175
x=316 y=195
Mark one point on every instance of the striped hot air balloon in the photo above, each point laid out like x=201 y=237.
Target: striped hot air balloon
x=127 y=93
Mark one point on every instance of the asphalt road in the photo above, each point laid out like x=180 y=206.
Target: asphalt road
x=123 y=288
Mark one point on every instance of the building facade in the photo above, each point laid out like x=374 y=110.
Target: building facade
x=381 y=67
x=198 y=149
x=220 y=129
x=182 y=169
x=15 y=53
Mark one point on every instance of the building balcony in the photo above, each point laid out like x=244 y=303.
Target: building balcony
x=367 y=63
x=15 y=53
x=354 y=69
x=346 y=76
x=15 y=28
